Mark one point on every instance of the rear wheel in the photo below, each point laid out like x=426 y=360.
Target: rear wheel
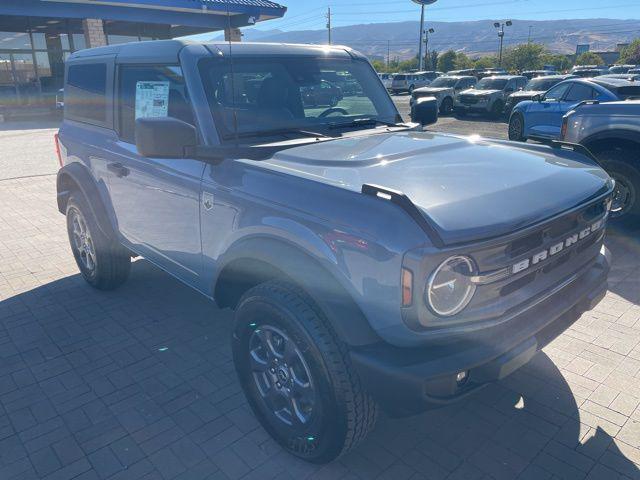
x=446 y=107
x=516 y=128
x=297 y=374
x=104 y=264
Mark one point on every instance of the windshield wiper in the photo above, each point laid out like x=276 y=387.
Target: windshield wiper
x=363 y=122
x=275 y=132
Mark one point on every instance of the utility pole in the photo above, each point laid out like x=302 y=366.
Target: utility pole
x=422 y=3
x=420 y=56
x=426 y=46
x=529 y=38
x=500 y=27
x=388 y=52
x=329 y=23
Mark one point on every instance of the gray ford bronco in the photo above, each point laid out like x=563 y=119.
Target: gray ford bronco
x=369 y=263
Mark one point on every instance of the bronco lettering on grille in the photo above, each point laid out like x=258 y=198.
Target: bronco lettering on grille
x=556 y=248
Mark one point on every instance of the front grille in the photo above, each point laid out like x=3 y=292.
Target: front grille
x=468 y=99
x=538 y=277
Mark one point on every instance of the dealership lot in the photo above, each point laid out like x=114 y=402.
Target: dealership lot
x=139 y=383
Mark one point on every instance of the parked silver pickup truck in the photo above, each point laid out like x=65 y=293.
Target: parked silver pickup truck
x=612 y=132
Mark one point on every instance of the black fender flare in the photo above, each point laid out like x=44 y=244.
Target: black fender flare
x=615 y=134
x=292 y=263
x=76 y=177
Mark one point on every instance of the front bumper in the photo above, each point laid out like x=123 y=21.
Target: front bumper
x=406 y=381
x=475 y=107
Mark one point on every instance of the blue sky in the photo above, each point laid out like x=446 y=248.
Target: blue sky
x=310 y=15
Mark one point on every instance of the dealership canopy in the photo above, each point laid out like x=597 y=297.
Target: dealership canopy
x=36 y=36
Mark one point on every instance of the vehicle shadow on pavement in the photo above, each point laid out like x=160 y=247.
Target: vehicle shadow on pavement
x=141 y=379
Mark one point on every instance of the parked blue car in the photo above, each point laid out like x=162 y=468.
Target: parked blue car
x=541 y=118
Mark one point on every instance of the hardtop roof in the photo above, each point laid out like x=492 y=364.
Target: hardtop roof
x=164 y=50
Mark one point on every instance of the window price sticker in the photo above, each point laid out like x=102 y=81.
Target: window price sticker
x=152 y=99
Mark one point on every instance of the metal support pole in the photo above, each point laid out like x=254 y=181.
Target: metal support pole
x=420 y=56
x=501 y=35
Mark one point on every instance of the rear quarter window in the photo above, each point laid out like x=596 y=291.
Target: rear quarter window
x=628 y=92
x=86 y=93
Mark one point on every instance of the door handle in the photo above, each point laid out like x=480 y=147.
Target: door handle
x=118 y=169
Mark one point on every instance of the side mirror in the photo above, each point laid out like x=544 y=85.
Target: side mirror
x=164 y=137
x=425 y=111
x=537 y=97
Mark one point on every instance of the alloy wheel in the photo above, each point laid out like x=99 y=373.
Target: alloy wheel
x=624 y=196
x=282 y=376
x=82 y=241
x=515 y=128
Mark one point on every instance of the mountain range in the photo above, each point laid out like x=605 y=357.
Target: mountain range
x=399 y=39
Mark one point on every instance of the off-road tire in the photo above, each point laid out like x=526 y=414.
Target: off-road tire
x=624 y=166
x=446 y=107
x=112 y=261
x=345 y=411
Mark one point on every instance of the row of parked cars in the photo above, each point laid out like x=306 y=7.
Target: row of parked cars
x=592 y=106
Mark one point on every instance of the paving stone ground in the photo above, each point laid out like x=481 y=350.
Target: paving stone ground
x=139 y=383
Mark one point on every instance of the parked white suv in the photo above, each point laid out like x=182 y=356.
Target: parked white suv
x=489 y=95
x=407 y=82
x=386 y=79
x=445 y=90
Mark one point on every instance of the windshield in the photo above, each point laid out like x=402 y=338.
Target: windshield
x=257 y=95
x=541 y=84
x=447 y=82
x=491 y=84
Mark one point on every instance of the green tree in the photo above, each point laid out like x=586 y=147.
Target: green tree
x=631 y=53
x=462 y=62
x=447 y=61
x=407 y=65
x=561 y=62
x=379 y=65
x=431 y=60
x=485 y=62
x=526 y=56
x=589 y=58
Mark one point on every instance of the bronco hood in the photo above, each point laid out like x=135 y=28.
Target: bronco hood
x=469 y=188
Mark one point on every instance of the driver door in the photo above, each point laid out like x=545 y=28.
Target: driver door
x=156 y=200
x=540 y=115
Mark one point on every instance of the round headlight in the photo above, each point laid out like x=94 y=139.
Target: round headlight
x=450 y=289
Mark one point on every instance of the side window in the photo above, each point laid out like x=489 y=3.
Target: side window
x=86 y=93
x=579 y=92
x=146 y=91
x=521 y=83
x=557 y=92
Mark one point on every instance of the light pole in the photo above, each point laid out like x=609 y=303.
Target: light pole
x=500 y=27
x=426 y=45
x=422 y=4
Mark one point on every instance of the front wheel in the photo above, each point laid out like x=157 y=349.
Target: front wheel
x=447 y=106
x=516 y=128
x=297 y=375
